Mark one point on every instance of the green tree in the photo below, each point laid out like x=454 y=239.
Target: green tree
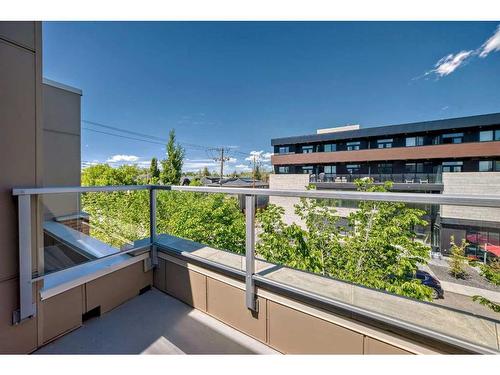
x=486 y=302
x=117 y=218
x=491 y=271
x=205 y=172
x=378 y=249
x=154 y=172
x=211 y=219
x=120 y=218
x=172 y=166
x=103 y=174
x=458 y=259
x=257 y=175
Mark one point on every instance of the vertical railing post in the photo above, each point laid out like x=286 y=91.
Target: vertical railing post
x=26 y=306
x=250 y=297
x=152 y=226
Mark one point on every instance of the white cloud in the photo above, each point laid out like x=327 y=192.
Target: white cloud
x=122 y=158
x=193 y=165
x=450 y=63
x=86 y=164
x=260 y=156
x=243 y=168
x=491 y=45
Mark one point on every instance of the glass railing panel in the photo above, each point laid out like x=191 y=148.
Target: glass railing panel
x=394 y=259
x=205 y=225
x=79 y=228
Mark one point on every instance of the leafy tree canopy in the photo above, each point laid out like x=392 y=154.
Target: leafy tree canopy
x=377 y=248
x=172 y=166
x=104 y=174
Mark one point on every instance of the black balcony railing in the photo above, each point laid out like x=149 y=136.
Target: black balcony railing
x=402 y=178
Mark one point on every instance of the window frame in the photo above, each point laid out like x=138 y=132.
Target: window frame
x=385 y=143
x=418 y=141
x=353 y=146
x=287 y=148
x=452 y=137
x=333 y=147
x=308 y=147
x=452 y=165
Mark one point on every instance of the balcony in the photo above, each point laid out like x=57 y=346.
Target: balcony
x=137 y=288
x=399 y=178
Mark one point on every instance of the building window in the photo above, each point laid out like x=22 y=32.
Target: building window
x=353 y=168
x=384 y=168
x=330 y=170
x=414 y=141
x=489 y=166
x=452 y=166
x=352 y=146
x=284 y=150
x=307 y=169
x=489 y=135
x=486 y=166
x=452 y=138
x=284 y=169
x=414 y=168
x=307 y=149
x=330 y=147
x=384 y=143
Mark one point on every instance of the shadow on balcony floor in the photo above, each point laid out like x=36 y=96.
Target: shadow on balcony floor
x=155 y=323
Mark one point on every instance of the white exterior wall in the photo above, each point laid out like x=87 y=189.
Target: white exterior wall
x=288 y=182
x=471 y=183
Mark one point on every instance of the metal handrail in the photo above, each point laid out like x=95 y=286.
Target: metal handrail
x=422 y=198
x=27 y=308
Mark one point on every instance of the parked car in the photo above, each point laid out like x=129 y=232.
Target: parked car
x=428 y=280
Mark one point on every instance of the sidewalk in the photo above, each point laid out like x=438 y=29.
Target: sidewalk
x=475 y=285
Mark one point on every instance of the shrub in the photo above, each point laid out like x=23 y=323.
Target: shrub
x=491 y=272
x=458 y=259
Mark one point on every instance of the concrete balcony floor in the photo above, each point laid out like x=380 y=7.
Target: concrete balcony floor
x=155 y=323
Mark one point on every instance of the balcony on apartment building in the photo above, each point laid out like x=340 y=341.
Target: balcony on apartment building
x=413 y=182
x=136 y=288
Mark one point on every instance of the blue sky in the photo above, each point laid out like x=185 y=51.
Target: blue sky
x=240 y=84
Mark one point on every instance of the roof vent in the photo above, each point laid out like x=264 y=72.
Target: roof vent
x=338 y=129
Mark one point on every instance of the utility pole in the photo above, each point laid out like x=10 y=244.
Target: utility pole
x=220 y=157
x=221 y=165
x=253 y=173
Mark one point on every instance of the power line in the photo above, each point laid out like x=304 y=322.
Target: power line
x=153 y=137
x=122 y=130
x=143 y=135
x=222 y=153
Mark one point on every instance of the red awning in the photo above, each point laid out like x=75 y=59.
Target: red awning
x=493 y=249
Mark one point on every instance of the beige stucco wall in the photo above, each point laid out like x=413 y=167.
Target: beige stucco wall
x=471 y=183
x=62 y=150
x=21 y=165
